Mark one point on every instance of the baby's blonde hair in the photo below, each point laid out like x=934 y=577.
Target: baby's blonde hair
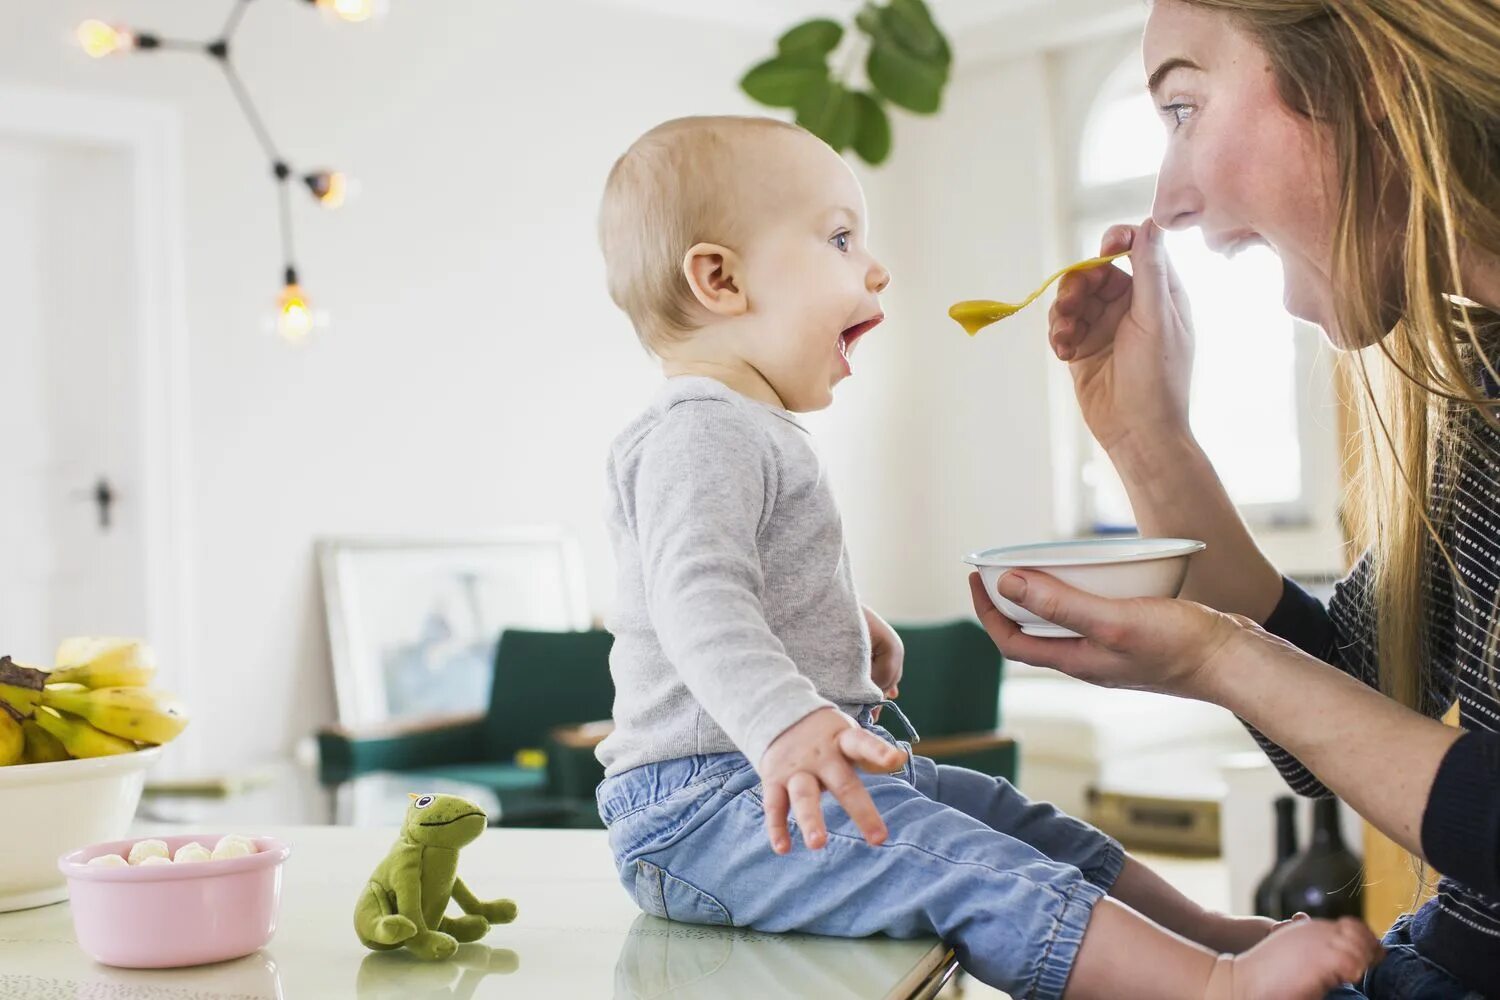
x=676 y=186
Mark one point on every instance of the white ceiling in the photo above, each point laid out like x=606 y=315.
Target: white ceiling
x=953 y=15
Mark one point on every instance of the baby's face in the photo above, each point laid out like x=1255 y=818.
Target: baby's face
x=812 y=284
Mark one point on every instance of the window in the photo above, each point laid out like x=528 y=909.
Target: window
x=1253 y=368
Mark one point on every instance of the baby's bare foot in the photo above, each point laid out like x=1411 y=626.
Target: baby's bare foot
x=1301 y=961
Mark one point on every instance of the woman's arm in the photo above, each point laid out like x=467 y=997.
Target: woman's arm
x=1128 y=343
x=1431 y=788
x=1176 y=493
x=1378 y=756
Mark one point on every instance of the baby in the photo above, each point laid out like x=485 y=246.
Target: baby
x=747 y=674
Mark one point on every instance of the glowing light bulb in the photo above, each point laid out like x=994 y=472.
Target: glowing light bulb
x=331 y=187
x=294 y=318
x=99 y=39
x=353 y=11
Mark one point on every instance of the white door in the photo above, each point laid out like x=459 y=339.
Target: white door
x=71 y=406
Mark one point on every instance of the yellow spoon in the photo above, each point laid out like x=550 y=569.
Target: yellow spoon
x=976 y=314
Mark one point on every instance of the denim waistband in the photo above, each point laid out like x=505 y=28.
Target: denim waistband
x=639 y=787
x=648 y=784
x=866 y=717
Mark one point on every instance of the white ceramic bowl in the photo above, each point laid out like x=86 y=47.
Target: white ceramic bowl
x=1110 y=567
x=49 y=809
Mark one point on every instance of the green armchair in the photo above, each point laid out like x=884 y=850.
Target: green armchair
x=951 y=692
x=552 y=693
x=542 y=681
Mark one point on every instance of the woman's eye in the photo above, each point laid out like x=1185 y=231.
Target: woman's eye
x=841 y=242
x=1177 y=113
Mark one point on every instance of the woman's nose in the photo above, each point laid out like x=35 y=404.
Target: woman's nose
x=1178 y=202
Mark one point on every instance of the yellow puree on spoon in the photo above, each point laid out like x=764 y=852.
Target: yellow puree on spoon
x=976 y=314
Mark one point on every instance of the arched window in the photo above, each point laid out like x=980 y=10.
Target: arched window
x=1255 y=394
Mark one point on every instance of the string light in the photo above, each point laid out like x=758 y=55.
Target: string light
x=353 y=11
x=294 y=319
x=99 y=39
x=330 y=187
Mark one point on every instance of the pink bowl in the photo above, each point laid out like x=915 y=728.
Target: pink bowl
x=164 y=916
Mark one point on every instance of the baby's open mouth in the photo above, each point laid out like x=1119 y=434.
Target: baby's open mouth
x=849 y=336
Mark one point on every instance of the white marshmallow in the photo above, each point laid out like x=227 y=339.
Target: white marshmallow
x=189 y=853
x=108 y=861
x=234 y=846
x=155 y=859
x=143 y=849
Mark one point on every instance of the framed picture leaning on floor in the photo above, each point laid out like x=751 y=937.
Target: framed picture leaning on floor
x=413 y=623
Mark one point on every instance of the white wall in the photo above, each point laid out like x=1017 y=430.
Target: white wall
x=964 y=210
x=475 y=371
x=24 y=431
x=68 y=355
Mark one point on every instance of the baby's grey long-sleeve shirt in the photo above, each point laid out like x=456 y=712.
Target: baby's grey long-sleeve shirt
x=735 y=608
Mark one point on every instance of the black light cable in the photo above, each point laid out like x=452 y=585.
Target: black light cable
x=294 y=318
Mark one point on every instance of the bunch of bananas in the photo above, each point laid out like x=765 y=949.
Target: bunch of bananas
x=93 y=703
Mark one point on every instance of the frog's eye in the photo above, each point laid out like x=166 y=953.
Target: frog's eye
x=423 y=802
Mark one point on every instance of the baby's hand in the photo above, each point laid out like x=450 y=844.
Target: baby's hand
x=818 y=752
x=887 y=654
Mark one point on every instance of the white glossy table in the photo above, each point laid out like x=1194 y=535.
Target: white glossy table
x=578 y=936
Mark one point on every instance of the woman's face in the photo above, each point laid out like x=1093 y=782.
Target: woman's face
x=1240 y=164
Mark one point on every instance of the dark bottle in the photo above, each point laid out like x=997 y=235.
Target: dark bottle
x=1268 y=892
x=1326 y=880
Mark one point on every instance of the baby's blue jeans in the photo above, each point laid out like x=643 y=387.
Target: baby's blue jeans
x=1008 y=883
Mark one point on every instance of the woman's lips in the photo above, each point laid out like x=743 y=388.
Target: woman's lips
x=1231 y=244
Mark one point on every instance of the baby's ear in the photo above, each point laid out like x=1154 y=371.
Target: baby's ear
x=715 y=275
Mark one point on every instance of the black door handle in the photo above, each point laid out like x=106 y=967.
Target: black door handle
x=104 y=497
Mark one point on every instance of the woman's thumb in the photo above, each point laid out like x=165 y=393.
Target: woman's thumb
x=1148 y=265
x=1051 y=599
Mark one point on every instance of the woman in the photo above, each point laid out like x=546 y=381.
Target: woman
x=1360 y=140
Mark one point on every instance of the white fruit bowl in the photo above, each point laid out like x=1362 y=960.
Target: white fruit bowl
x=1109 y=567
x=53 y=808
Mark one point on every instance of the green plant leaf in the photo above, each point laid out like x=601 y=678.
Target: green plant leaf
x=905 y=80
x=870 y=20
x=777 y=83
x=872 y=133
x=828 y=111
x=908 y=66
x=810 y=41
x=910 y=24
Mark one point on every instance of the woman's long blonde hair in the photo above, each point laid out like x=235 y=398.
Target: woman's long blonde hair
x=1409 y=95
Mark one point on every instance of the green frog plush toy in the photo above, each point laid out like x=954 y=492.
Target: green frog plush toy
x=406 y=897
